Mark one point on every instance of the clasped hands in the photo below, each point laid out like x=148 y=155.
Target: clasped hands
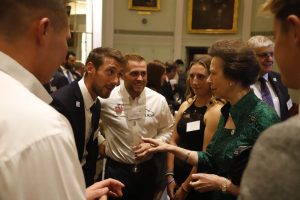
x=141 y=150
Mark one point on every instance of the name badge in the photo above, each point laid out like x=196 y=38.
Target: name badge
x=193 y=126
x=289 y=104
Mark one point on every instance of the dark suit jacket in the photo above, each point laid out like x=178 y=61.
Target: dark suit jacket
x=69 y=101
x=281 y=92
x=59 y=80
x=168 y=93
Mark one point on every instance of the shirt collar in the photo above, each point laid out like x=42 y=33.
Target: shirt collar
x=87 y=98
x=27 y=79
x=242 y=107
x=266 y=76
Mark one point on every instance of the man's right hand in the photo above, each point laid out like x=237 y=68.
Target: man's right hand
x=102 y=189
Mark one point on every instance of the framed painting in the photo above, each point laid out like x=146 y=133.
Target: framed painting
x=212 y=16
x=144 y=5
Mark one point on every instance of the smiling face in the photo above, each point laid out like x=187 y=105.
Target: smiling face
x=219 y=84
x=265 y=58
x=105 y=78
x=198 y=75
x=135 y=77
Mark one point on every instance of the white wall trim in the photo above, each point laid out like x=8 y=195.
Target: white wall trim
x=108 y=25
x=178 y=29
x=247 y=15
x=143 y=40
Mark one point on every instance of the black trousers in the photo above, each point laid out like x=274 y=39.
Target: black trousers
x=139 y=185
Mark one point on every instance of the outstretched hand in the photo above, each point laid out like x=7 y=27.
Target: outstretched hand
x=102 y=189
x=156 y=145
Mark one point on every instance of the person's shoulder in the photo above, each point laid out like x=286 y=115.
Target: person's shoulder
x=185 y=105
x=31 y=120
x=274 y=73
x=66 y=91
x=274 y=76
x=151 y=93
x=262 y=111
x=215 y=107
x=289 y=129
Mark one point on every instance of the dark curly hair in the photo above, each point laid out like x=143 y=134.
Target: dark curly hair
x=239 y=60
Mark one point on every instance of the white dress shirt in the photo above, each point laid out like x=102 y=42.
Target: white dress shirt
x=88 y=102
x=38 y=157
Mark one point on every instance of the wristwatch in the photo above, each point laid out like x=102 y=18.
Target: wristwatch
x=225 y=185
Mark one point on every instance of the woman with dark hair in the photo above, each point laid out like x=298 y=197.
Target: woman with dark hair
x=156 y=72
x=195 y=124
x=233 y=69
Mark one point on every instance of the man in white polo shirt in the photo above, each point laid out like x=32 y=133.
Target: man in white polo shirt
x=133 y=111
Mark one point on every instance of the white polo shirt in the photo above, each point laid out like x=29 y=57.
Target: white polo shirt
x=126 y=120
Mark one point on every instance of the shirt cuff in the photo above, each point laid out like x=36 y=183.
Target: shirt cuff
x=101 y=139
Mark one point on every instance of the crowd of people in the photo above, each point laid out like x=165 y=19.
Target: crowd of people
x=226 y=133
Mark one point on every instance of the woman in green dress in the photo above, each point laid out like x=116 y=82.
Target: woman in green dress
x=244 y=117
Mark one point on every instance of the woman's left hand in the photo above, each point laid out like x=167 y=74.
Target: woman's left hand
x=206 y=182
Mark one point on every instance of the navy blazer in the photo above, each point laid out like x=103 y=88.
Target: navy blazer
x=69 y=101
x=282 y=93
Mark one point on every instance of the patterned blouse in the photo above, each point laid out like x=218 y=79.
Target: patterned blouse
x=251 y=117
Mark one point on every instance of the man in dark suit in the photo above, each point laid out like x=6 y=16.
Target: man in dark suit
x=75 y=101
x=281 y=100
x=64 y=75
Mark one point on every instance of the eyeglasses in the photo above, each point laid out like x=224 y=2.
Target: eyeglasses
x=265 y=54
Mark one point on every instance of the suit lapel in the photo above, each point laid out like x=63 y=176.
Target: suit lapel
x=79 y=115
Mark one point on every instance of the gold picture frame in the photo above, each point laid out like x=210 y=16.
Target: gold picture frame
x=144 y=5
x=212 y=16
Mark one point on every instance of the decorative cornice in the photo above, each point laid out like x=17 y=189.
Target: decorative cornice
x=135 y=32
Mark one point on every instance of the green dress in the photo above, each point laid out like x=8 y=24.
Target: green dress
x=251 y=116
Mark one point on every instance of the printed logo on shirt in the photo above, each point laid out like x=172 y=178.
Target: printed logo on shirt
x=149 y=113
x=119 y=109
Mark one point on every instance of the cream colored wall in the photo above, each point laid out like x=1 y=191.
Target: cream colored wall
x=155 y=40
x=260 y=22
x=158 y=39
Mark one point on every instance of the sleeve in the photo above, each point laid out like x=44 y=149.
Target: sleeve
x=166 y=123
x=205 y=160
x=51 y=165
